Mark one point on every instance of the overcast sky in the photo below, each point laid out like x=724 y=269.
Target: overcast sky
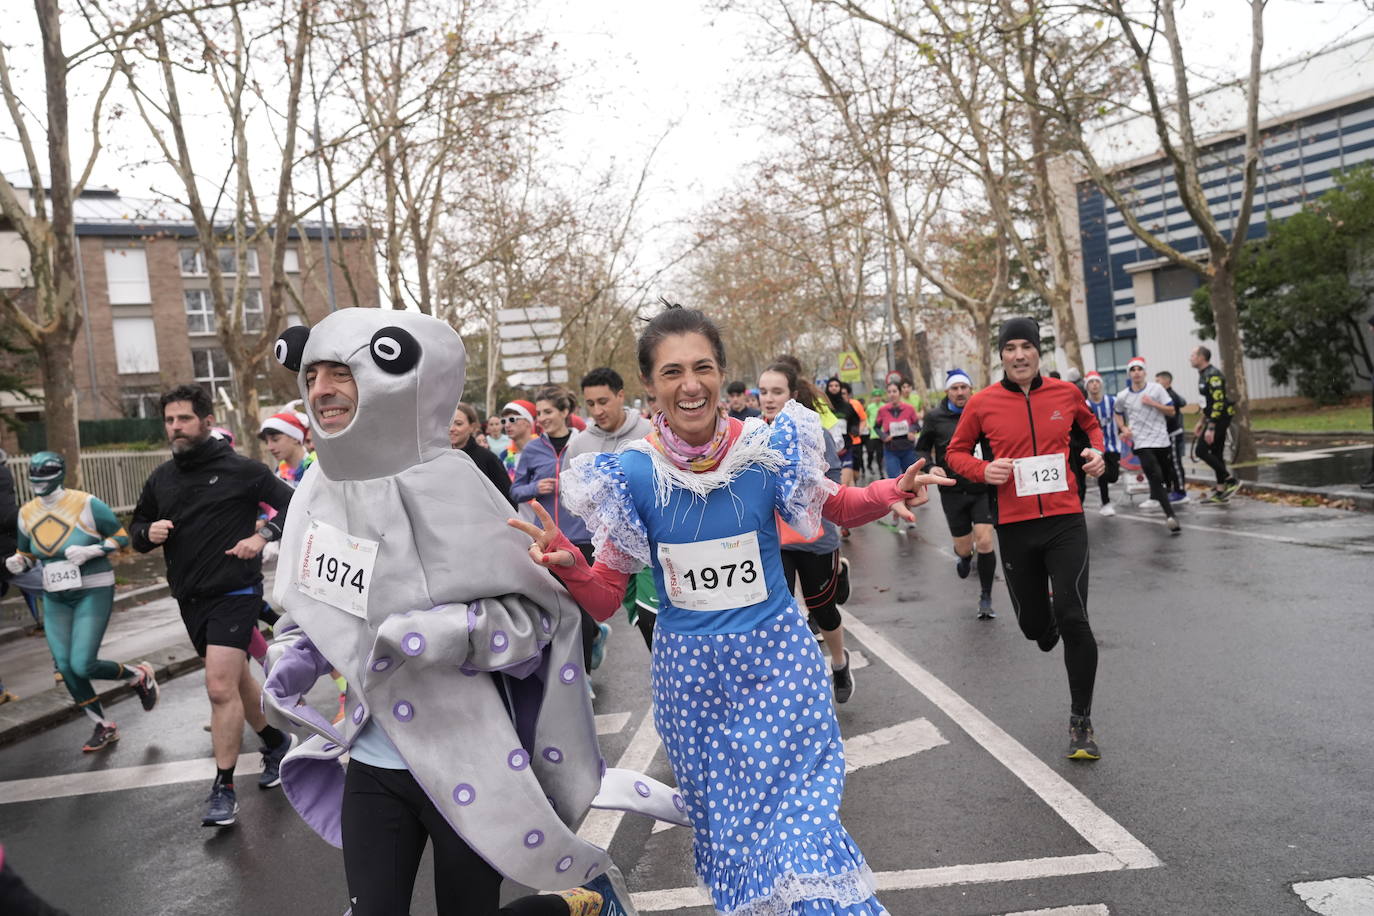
x=637 y=68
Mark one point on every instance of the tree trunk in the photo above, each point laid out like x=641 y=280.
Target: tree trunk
x=982 y=331
x=1227 y=319
x=59 y=402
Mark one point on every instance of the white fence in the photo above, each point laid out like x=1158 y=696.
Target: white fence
x=115 y=478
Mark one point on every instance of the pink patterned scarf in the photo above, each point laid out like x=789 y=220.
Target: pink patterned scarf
x=695 y=458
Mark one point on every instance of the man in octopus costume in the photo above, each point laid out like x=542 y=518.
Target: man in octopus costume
x=398 y=569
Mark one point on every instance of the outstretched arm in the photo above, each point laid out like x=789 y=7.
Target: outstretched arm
x=597 y=588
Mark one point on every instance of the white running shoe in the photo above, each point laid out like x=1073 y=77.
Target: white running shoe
x=1107 y=509
x=1149 y=505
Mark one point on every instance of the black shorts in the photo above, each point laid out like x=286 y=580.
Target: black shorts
x=223 y=620
x=964 y=510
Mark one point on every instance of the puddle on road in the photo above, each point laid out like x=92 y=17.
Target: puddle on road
x=1337 y=469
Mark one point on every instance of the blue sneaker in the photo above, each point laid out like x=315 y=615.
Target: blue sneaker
x=603 y=632
x=963 y=566
x=221 y=808
x=271 y=763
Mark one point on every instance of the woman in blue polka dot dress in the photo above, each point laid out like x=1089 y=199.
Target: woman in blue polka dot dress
x=741 y=691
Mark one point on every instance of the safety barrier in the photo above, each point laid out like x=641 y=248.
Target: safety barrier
x=115 y=478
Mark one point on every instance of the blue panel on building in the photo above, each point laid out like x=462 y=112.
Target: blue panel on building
x=1097 y=280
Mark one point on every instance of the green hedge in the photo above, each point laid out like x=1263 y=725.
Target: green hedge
x=34 y=436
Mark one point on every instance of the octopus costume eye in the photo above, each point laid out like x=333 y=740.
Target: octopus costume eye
x=395 y=351
x=291 y=346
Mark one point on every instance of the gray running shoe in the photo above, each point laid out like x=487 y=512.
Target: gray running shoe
x=221 y=808
x=146 y=686
x=101 y=738
x=1082 y=745
x=985 y=611
x=271 y=763
x=843 y=680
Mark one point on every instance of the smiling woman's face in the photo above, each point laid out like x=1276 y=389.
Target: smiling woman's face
x=685 y=383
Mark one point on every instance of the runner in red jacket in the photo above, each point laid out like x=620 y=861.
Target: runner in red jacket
x=1025 y=421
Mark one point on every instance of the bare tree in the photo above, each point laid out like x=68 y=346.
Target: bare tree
x=44 y=218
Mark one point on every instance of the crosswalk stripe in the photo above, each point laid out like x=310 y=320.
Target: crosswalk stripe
x=1338 y=896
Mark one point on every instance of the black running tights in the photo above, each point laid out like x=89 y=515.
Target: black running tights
x=1153 y=461
x=1051 y=554
x=819 y=576
x=1215 y=453
x=386 y=819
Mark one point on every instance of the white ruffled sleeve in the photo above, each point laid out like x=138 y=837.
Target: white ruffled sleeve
x=594 y=488
x=802 y=487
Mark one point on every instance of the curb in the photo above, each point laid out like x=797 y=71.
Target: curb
x=1362 y=501
x=46 y=709
x=145 y=594
x=1313 y=434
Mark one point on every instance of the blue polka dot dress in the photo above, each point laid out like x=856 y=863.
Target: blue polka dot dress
x=742 y=696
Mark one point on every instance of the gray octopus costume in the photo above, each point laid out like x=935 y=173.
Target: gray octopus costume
x=465 y=653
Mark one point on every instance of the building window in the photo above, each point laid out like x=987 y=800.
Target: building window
x=135 y=341
x=291 y=264
x=252 y=311
x=193 y=262
x=211 y=368
x=228 y=262
x=1174 y=282
x=140 y=404
x=126 y=273
x=1112 y=357
x=200 y=312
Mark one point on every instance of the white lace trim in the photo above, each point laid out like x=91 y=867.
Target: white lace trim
x=598 y=493
x=753 y=449
x=805 y=486
x=846 y=889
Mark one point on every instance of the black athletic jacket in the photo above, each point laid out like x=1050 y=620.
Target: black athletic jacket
x=936 y=431
x=210 y=494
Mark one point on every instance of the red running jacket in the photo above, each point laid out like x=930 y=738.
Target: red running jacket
x=1016 y=424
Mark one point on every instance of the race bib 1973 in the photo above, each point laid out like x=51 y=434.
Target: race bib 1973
x=336 y=567
x=1040 y=474
x=714 y=575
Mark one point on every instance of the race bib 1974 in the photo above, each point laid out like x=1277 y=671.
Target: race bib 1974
x=714 y=575
x=335 y=567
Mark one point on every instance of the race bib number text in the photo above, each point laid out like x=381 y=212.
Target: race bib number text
x=1041 y=474
x=900 y=428
x=60 y=576
x=336 y=567
x=715 y=575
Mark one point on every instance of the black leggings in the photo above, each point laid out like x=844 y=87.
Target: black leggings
x=1053 y=552
x=819 y=574
x=386 y=819
x=1214 y=454
x=1153 y=461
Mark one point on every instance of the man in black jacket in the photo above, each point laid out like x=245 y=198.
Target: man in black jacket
x=201 y=509
x=967 y=510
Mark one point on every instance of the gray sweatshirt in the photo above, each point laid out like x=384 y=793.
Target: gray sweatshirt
x=597 y=440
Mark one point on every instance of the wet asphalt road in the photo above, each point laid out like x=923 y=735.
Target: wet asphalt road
x=1232 y=708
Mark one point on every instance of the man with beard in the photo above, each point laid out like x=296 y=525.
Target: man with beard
x=201 y=508
x=966 y=503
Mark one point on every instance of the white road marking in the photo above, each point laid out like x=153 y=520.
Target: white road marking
x=892 y=743
x=611 y=723
x=139 y=777
x=600 y=826
x=1091 y=822
x=681 y=898
x=877 y=747
x=1259 y=535
x=1338 y=896
x=1095 y=909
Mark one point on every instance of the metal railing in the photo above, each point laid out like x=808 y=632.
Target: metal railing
x=115 y=478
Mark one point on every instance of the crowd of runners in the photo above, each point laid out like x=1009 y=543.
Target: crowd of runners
x=454 y=577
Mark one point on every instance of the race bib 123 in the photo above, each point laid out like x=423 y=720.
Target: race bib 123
x=1040 y=474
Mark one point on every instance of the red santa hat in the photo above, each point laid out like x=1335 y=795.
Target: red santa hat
x=521 y=409
x=290 y=422
x=1136 y=361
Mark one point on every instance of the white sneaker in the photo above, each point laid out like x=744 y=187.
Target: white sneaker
x=1148 y=505
x=1108 y=510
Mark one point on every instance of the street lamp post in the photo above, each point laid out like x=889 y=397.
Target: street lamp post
x=319 y=154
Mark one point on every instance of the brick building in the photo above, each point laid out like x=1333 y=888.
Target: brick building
x=149 y=319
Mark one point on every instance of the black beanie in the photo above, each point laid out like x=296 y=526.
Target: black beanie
x=1019 y=329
